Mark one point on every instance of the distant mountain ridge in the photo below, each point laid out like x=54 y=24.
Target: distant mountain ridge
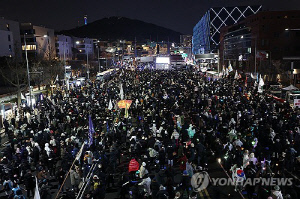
x=114 y=28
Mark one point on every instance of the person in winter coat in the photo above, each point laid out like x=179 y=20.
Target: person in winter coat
x=175 y=135
x=29 y=182
x=182 y=163
x=60 y=176
x=162 y=193
x=162 y=157
x=36 y=154
x=146 y=183
x=143 y=170
x=252 y=158
x=153 y=154
x=133 y=167
x=185 y=182
x=74 y=177
x=276 y=193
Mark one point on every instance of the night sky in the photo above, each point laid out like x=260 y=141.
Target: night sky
x=179 y=15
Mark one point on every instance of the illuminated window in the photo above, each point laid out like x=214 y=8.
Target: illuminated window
x=29 y=47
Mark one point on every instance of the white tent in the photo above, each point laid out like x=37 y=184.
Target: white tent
x=290 y=88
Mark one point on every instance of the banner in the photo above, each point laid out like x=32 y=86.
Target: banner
x=124 y=103
x=297 y=103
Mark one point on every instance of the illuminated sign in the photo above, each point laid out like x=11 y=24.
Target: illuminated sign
x=162 y=60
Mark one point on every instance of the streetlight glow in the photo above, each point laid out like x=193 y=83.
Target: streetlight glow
x=77 y=42
x=286 y=29
x=45 y=36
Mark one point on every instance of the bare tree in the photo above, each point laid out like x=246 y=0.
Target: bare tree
x=14 y=73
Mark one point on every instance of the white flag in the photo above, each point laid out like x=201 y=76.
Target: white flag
x=121 y=92
x=79 y=152
x=236 y=76
x=227 y=72
x=36 y=193
x=230 y=67
x=261 y=81
x=56 y=79
x=110 y=106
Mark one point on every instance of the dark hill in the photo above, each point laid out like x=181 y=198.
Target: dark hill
x=114 y=28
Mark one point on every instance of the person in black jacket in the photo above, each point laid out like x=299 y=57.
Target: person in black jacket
x=162 y=193
x=29 y=182
x=99 y=193
x=185 y=183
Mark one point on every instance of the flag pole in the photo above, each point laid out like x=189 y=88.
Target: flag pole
x=77 y=156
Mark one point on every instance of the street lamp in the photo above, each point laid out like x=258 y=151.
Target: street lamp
x=87 y=60
x=98 y=58
x=28 y=75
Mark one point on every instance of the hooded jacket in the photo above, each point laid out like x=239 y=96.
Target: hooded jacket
x=133 y=165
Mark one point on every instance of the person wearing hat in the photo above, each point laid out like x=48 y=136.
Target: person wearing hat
x=185 y=183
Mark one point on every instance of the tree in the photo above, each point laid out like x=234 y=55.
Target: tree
x=14 y=73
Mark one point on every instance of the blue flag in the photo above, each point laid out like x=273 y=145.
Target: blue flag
x=107 y=127
x=91 y=131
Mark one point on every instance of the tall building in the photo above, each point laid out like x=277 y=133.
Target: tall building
x=255 y=43
x=40 y=41
x=206 y=33
x=64 y=45
x=186 y=40
x=84 y=47
x=10 y=40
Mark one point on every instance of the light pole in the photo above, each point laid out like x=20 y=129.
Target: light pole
x=87 y=60
x=28 y=74
x=292 y=62
x=99 y=58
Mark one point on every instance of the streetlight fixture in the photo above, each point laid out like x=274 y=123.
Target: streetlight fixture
x=98 y=58
x=87 y=60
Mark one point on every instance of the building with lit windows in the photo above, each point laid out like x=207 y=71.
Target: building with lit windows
x=206 y=33
x=262 y=42
x=10 y=40
x=40 y=41
x=83 y=47
x=64 y=45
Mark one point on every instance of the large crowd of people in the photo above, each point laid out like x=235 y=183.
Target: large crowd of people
x=177 y=122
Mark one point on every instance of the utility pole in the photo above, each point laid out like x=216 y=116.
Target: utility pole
x=28 y=74
x=99 y=59
x=87 y=60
